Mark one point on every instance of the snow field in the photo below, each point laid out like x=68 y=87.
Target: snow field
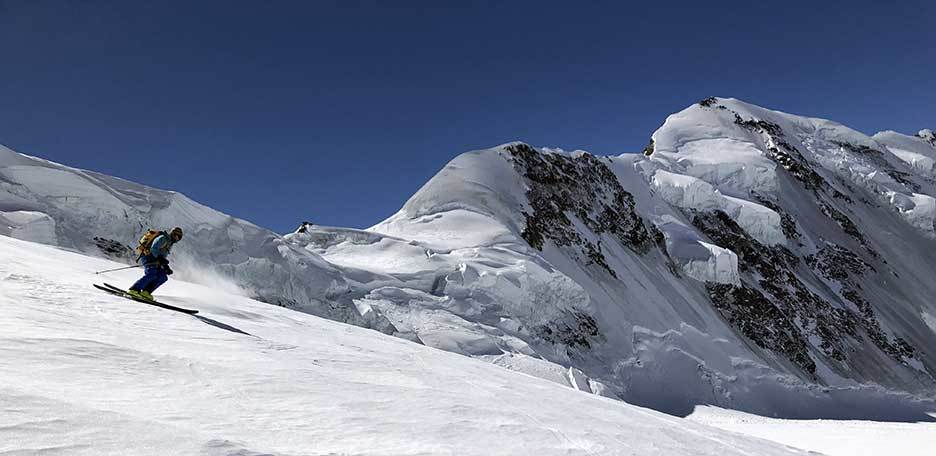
x=831 y=437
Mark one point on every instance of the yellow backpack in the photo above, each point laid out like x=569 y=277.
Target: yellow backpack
x=146 y=242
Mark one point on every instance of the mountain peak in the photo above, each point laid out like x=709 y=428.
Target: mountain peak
x=928 y=135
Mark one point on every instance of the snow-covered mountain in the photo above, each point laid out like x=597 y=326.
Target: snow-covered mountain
x=749 y=258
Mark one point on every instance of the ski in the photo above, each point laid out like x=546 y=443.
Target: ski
x=119 y=292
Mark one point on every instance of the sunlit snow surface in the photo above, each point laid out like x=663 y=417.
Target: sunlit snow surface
x=86 y=373
x=831 y=437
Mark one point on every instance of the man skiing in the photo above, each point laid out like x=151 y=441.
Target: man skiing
x=154 y=252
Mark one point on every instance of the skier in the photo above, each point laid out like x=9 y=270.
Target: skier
x=154 y=252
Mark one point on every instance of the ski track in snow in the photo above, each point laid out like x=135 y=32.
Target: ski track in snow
x=85 y=372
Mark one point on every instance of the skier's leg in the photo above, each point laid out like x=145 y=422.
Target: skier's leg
x=139 y=284
x=159 y=278
x=147 y=280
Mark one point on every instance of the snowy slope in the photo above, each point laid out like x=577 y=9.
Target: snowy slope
x=751 y=259
x=83 y=372
x=834 y=438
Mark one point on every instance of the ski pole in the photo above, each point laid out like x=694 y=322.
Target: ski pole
x=120 y=269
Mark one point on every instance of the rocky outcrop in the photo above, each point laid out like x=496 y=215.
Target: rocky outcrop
x=114 y=249
x=564 y=190
x=576 y=331
x=755 y=316
x=786 y=298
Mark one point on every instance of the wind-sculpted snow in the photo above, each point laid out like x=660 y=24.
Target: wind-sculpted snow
x=688 y=192
x=748 y=258
x=698 y=259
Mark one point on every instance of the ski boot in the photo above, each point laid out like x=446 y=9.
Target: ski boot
x=141 y=294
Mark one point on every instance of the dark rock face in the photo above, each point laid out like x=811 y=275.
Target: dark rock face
x=648 y=151
x=114 y=249
x=708 y=102
x=749 y=311
x=787 y=294
x=841 y=196
x=576 y=331
x=836 y=263
x=843 y=221
x=780 y=312
x=842 y=266
x=928 y=136
x=562 y=188
x=765 y=126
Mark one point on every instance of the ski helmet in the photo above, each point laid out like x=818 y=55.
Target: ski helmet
x=176 y=234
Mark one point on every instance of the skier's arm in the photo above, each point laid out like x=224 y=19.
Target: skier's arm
x=160 y=247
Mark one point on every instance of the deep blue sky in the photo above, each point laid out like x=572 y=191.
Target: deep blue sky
x=336 y=112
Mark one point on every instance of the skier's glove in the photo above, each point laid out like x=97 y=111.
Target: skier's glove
x=164 y=265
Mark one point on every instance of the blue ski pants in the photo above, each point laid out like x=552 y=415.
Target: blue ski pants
x=153 y=276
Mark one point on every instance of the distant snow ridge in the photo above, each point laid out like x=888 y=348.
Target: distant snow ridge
x=749 y=258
